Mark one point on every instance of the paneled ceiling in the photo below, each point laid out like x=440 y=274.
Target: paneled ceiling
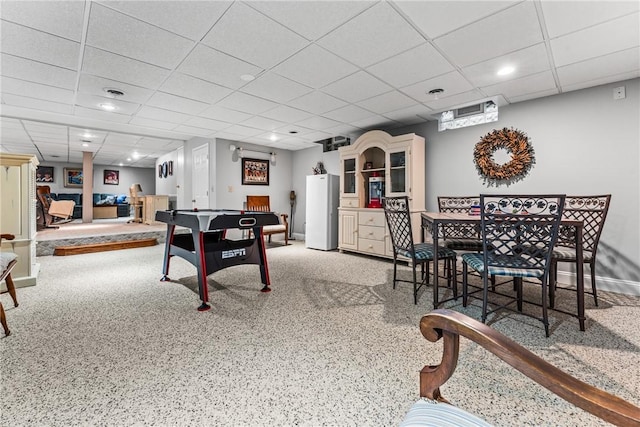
x=319 y=68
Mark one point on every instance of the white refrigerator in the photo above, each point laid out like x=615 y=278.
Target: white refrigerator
x=323 y=197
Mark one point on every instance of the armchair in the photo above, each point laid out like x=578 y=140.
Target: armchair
x=262 y=204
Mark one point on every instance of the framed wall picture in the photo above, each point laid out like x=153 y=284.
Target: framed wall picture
x=255 y=172
x=111 y=177
x=73 y=177
x=44 y=174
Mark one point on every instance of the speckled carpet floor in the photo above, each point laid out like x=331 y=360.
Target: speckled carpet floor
x=100 y=341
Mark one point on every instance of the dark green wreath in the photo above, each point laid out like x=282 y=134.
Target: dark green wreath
x=517 y=144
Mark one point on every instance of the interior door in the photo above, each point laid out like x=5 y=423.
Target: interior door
x=200 y=177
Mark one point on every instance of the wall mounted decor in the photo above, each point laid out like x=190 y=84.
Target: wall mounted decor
x=73 y=177
x=111 y=177
x=255 y=172
x=170 y=167
x=44 y=174
x=516 y=143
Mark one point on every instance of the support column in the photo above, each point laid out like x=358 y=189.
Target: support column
x=87 y=186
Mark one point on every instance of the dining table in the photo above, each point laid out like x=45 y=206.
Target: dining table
x=434 y=222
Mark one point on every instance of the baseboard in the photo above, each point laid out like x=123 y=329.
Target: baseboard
x=609 y=284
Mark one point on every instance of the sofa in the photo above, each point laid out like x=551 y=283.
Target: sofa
x=121 y=201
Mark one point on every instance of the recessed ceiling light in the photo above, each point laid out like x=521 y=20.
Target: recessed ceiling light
x=128 y=159
x=108 y=107
x=273 y=137
x=506 y=70
x=436 y=92
x=84 y=144
x=120 y=163
x=135 y=155
x=86 y=134
x=247 y=77
x=293 y=131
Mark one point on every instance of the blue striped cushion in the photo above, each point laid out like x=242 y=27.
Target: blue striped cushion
x=563 y=253
x=425 y=251
x=476 y=261
x=438 y=414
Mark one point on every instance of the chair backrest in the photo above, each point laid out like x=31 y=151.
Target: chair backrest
x=258 y=203
x=396 y=212
x=520 y=231
x=458 y=204
x=44 y=196
x=592 y=210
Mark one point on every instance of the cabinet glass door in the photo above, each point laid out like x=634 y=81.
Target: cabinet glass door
x=397 y=172
x=349 y=176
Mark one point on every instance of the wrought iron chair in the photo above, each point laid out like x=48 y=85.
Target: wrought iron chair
x=460 y=236
x=398 y=216
x=518 y=236
x=8 y=260
x=592 y=210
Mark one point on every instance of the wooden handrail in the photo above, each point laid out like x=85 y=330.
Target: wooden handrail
x=450 y=325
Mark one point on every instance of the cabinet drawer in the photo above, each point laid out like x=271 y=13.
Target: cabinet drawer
x=371 y=246
x=349 y=203
x=372 y=233
x=374 y=218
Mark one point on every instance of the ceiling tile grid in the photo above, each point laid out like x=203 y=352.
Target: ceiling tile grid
x=256 y=71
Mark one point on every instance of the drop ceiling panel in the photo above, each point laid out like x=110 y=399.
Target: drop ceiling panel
x=192 y=130
x=315 y=67
x=275 y=88
x=60 y=18
x=357 y=87
x=561 y=17
x=176 y=103
x=201 y=122
x=37 y=104
x=247 y=103
x=119 y=68
x=242 y=131
x=619 y=34
x=604 y=80
x=451 y=83
x=412 y=66
x=217 y=67
x=118 y=33
x=31 y=44
x=188 y=19
x=436 y=18
x=26 y=69
x=164 y=115
x=348 y=114
x=373 y=122
x=36 y=90
x=374 y=35
x=190 y=87
x=603 y=66
x=93 y=101
x=151 y=123
x=454 y=101
x=222 y=114
x=311 y=19
x=389 y=101
x=286 y=114
x=522 y=86
x=318 y=123
x=263 y=123
x=493 y=36
x=411 y=115
x=96 y=86
x=317 y=102
x=264 y=43
x=94 y=113
x=530 y=60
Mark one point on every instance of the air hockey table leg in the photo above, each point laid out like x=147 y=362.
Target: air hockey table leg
x=167 y=253
x=264 y=268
